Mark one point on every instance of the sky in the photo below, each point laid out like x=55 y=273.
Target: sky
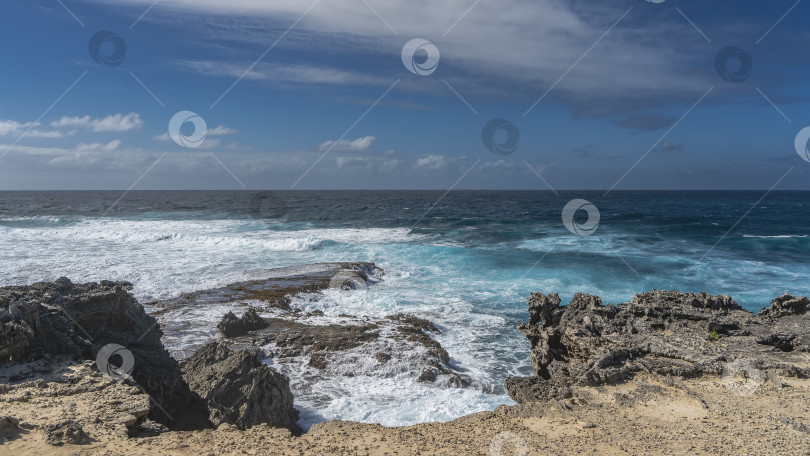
x=394 y=94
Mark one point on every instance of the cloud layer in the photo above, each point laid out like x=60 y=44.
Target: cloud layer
x=485 y=46
x=112 y=123
x=344 y=144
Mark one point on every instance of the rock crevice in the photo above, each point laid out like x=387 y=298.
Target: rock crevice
x=46 y=320
x=239 y=389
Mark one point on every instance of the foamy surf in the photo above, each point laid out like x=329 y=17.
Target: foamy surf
x=468 y=267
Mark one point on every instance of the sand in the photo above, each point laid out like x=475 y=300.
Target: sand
x=648 y=415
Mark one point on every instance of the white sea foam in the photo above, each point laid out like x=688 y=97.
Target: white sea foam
x=779 y=236
x=472 y=294
x=164 y=258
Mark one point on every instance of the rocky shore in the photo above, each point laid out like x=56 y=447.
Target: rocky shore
x=83 y=370
x=671 y=334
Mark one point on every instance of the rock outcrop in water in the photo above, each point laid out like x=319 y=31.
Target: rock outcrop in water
x=334 y=347
x=47 y=320
x=240 y=390
x=231 y=326
x=282 y=283
x=587 y=343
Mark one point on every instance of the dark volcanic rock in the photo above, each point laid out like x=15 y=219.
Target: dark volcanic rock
x=60 y=318
x=668 y=333
x=231 y=326
x=382 y=358
x=417 y=330
x=281 y=285
x=336 y=345
x=9 y=424
x=528 y=389
x=69 y=431
x=239 y=388
x=295 y=338
x=786 y=305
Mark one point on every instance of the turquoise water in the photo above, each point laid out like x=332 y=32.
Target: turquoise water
x=467 y=262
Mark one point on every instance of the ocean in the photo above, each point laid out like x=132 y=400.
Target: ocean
x=466 y=261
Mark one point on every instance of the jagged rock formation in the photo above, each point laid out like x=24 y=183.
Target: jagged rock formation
x=786 y=305
x=231 y=326
x=45 y=320
x=292 y=334
x=301 y=334
x=240 y=389
x=282 y=283
x=63 y=432
x=675 y=334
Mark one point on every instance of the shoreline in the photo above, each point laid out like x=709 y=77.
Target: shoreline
x=660 y=363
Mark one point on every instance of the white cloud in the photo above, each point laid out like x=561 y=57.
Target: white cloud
x=98 y=157
x=44 y=134
x=369 y=164
x=531 y=42
x=362 y=143
x=14 y=128
x=500 y=165
x=284 y=72
x=108 y=147
x=435 y=161
x=220 y=131
x=209 y=143
x=17 y=129
x=112 y=123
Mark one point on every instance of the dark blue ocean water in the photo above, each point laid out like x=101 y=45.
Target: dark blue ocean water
x=644 y=239
x=467 y=260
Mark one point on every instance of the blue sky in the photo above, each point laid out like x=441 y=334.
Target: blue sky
x=332 y=106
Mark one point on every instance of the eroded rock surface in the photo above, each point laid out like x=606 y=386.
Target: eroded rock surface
x=335 y=346
x=282 y=283
x=63 y=432
x=587 y=343
x=68 y=402
x=343 y=346
x=9 y=423
x=240 y=389
x=61 y=318
x=231 y=326
x=786 y=305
